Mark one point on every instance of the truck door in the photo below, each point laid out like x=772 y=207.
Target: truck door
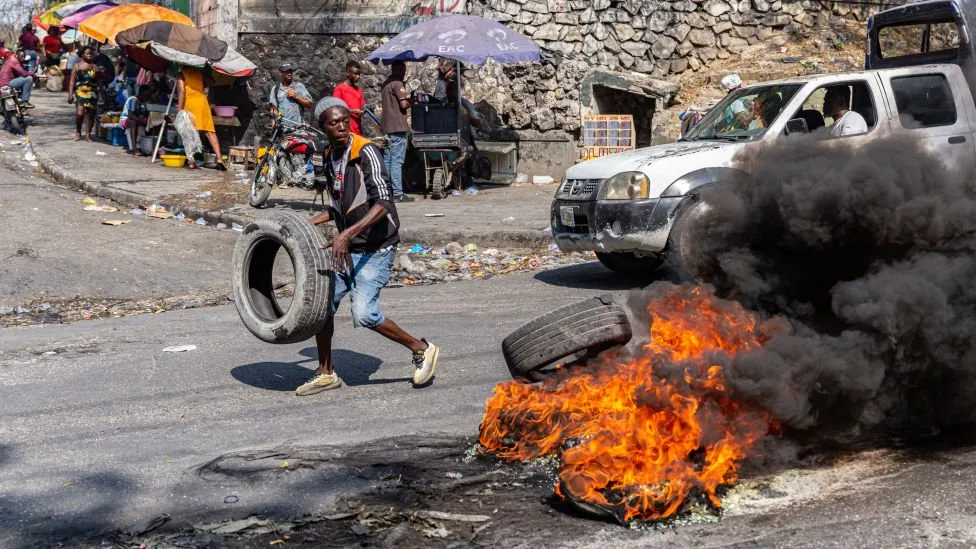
x=933 y=104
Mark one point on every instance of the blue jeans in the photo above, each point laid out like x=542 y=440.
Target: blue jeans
x=370 y=273
x=24 y=84
x=393 y=158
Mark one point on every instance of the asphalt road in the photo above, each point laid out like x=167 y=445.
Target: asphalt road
x=54 y=249
x=101 y=429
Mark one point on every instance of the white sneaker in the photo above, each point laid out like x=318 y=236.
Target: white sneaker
x=425 y=363
x=319 y=383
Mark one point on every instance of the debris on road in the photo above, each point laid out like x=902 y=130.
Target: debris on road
x=95 y=208
x=115 y=222
x=89 y=201
x=180 y=348
x=423 y=265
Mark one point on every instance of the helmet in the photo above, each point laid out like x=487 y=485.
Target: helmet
x=731 y=82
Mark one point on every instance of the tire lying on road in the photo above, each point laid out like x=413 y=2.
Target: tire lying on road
x=254 y=257
x=589 y=326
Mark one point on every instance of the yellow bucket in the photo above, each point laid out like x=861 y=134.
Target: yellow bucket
x=173 y=160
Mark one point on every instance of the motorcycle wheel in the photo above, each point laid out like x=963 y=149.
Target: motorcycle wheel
x=16 y=125
x=261 y=182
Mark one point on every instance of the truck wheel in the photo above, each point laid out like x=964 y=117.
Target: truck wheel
x=254 y=257
x=589 y=326
x=261 y=182
x=629 y=264
x=684 y=252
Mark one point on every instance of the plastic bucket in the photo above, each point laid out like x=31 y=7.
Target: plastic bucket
x=224 y=111
x=173 y=160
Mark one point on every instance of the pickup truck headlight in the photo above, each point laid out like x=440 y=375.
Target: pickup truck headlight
x=627 y=186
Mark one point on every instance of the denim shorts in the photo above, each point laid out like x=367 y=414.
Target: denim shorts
x=370 y=272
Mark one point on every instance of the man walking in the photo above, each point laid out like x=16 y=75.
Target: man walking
x=395 y=125
x=350 y=93
x=289 y=97
x=14 y=74
x=363 y=250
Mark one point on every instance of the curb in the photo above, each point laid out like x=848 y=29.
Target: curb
x=499 y=239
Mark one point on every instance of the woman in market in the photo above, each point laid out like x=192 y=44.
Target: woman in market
x=193 y=99
x=52 y=47
x=83 y=91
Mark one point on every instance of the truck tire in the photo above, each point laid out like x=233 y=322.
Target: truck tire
x=261 y=181
x=629 y=264
x=683 y=252
x=254 y=257
x=589 y=326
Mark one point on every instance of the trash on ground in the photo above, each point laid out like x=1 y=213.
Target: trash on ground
x=179 y=217
x=204 y=196
x=231 y=499
x=456 y=262
x=89 y=201
x=115 y=222
x=433 y=215
x=508 y=219
x=161 y=215
x=419 y=249
x=455 y=192
x=201 y=221
x=136 y=211
x=522 y=178
x=236 y=227
x=471 y=247
x=179 y=348
x=253 y=525
x=221 y=225
x=472 y=190
x=457 y=517
x=94 y=208
x=542 y=180
x=100 y=153
x=553 y=248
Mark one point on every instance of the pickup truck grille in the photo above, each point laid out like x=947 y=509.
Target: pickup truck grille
x=580 y=188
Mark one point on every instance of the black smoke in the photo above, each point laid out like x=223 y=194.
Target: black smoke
x=869 y=252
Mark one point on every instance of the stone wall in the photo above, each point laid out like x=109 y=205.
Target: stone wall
x=643 y=46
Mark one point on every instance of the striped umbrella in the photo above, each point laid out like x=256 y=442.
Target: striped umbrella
x=72 y=21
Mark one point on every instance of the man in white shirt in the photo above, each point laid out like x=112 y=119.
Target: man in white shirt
x=837 y=105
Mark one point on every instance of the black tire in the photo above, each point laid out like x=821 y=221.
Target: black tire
x=683 y=253
x=630 y=264
x=261 y=182
x=17 y=125
x=437 y=184
x=589 y=326
x=254 y=288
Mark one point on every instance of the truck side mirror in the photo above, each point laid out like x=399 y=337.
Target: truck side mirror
x=797 y=125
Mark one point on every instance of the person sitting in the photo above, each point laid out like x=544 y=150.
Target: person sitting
x=837 y=105
x=14 y=74
x=447 y=70
x=469 y=117
x=135 y=115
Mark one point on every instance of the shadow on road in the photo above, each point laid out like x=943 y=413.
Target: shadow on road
x=354 y=369
x=594 y=276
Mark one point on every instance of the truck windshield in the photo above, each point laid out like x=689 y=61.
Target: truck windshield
x=744 y=114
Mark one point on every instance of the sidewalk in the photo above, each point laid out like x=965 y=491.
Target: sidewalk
x=496 y=216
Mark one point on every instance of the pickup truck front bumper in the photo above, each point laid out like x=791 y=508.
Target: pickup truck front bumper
x=614 y=225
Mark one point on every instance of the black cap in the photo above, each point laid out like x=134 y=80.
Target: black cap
x=287 y=67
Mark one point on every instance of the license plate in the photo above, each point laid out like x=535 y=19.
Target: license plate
x=567 y=215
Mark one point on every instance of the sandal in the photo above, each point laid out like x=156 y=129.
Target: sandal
x=221 y=167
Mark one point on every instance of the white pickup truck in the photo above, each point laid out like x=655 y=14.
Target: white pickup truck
x=630 y=208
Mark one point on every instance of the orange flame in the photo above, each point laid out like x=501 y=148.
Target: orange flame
x=639 y=436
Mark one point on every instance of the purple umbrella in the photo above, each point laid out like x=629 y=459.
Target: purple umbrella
x=74 y=20
x=466 y=38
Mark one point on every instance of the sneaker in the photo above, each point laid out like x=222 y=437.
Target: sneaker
x=425 y=363
x=26 y=105
x=404 y=198
x=319 y=383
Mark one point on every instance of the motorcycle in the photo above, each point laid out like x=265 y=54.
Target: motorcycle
x=291 y=159
x=13 y=112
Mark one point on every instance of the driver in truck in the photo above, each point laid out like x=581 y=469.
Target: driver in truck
x=837 y=105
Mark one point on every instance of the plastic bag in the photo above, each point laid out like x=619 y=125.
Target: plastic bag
x=186 y=126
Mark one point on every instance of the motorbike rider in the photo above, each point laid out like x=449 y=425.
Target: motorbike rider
x=14 y=74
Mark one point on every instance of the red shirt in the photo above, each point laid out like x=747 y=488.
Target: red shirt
x=53 y=44
x=355 y=100
x=11 y=69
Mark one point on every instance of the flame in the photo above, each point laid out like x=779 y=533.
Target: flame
x=640 y=435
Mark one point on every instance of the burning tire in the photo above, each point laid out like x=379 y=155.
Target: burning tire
x=254 y=295
x=587 y=327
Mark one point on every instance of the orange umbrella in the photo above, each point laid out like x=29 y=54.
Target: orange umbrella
x=104 y=26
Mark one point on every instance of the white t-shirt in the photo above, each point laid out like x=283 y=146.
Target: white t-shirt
x=851 y=123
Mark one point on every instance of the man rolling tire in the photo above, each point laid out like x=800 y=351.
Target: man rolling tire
x=365 y=215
